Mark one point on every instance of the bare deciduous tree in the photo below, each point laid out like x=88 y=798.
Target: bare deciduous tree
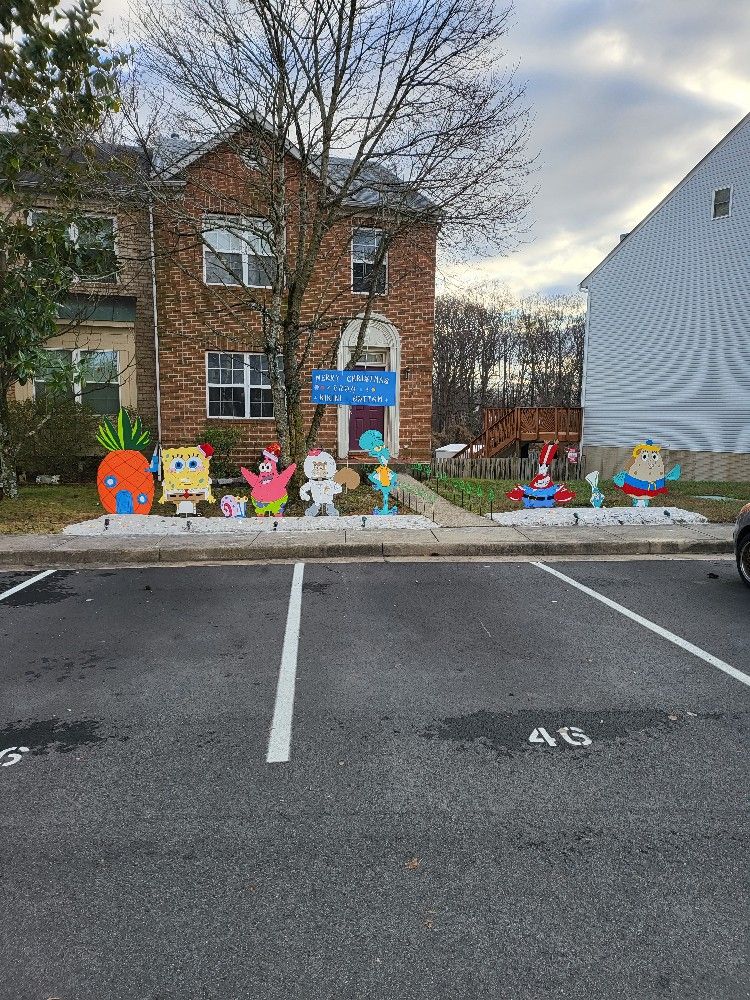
x=370 y=112
x=492 y=350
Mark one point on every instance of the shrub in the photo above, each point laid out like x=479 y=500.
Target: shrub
x=52 y=437
x=223 y=440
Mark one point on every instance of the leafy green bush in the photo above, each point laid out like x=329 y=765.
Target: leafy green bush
x=52 y=436
x=223 y=440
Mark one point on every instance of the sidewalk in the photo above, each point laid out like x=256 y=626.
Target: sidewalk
x=488 y=540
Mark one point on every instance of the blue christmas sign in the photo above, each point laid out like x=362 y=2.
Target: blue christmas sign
x=353 y=388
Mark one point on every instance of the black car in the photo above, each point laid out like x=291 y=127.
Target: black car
x=742 y=543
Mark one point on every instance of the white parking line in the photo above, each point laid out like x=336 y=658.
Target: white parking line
x=664 y=633
x=279 y=741
x=26 y=583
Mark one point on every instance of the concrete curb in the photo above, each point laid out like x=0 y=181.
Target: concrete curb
x=57 y=551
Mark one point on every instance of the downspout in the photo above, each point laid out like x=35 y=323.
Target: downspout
x=155 y=316
x=586 y=323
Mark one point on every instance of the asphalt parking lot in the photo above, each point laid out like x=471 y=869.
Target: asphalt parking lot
x=391 y=781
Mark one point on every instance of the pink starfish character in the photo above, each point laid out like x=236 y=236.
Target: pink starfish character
x=268 y=493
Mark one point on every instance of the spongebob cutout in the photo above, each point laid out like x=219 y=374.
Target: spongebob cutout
x=645 y=478
x=187 y=479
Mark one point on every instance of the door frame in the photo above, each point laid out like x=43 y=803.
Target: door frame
x=381 y=335
x=370 y=367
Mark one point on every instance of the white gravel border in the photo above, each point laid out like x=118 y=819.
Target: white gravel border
x=570 y=517
x=158 y=524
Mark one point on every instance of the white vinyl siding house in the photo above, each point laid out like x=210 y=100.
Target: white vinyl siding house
x=668 y=326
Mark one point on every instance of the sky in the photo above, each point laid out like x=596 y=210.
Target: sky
x=626 y=96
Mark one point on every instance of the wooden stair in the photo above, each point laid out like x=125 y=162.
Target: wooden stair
x=508 y=428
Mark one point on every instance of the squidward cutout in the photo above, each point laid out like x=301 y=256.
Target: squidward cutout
x=382 y=478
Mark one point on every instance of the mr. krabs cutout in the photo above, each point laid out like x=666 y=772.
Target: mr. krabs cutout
x=541 y=491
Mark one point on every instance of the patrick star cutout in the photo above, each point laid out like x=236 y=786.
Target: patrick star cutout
x=269 y=487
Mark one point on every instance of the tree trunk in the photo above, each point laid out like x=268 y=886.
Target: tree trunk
x=8 y=478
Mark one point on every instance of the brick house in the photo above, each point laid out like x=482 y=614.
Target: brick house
x=208 y=364
x=106 y=323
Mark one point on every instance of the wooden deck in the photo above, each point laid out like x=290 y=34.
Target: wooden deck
x=507 y=429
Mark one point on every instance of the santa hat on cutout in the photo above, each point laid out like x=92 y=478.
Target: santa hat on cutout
x=314 y=452
x=272 y=453
x=206 y=449
x=548 y=452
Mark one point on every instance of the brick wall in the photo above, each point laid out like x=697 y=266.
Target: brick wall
x=194 y=318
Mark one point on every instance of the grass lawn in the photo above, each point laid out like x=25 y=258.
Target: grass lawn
x=681 y=494
x=46 y=509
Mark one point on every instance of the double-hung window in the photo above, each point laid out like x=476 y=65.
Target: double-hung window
x=93 y=236
x=722 y=203
x=95 y=239
x=88 y=377
x=238 y=252
x=239 y=385
x=365 y=245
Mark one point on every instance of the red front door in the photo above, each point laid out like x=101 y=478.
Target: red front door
x=365 y=418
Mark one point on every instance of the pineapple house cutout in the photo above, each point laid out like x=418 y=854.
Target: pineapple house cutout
x=124 y=480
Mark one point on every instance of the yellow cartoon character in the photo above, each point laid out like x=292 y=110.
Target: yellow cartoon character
x=187 y=477
x=646 y=477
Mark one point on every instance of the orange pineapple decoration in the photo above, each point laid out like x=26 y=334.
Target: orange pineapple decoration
x=124 y=479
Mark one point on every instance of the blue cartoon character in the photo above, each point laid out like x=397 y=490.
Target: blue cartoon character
x=597 y=497
x=383 y=479
x=645 y=479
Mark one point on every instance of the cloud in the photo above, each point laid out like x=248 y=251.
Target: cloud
x=627 y=96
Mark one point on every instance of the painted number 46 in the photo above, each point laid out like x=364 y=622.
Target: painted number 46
x=571 y=734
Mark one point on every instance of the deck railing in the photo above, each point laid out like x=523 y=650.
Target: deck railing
x=503 y=428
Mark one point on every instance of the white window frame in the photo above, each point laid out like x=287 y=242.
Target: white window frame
x=233 y=224
x=75 y=360
x=246 y=385
x=73 y=234
x=366 y=229
x=718 y=218
x=253 y=157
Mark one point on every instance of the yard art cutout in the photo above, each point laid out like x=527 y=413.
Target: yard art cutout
x=541 y=491
x=187 y=479
x=645 y=478
x=269 y=488
x=232 y=506
x=353 y=387
x=382 y=478
x=125 y=479
x=321 y=487
x=324 y=483
x=597 y=497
